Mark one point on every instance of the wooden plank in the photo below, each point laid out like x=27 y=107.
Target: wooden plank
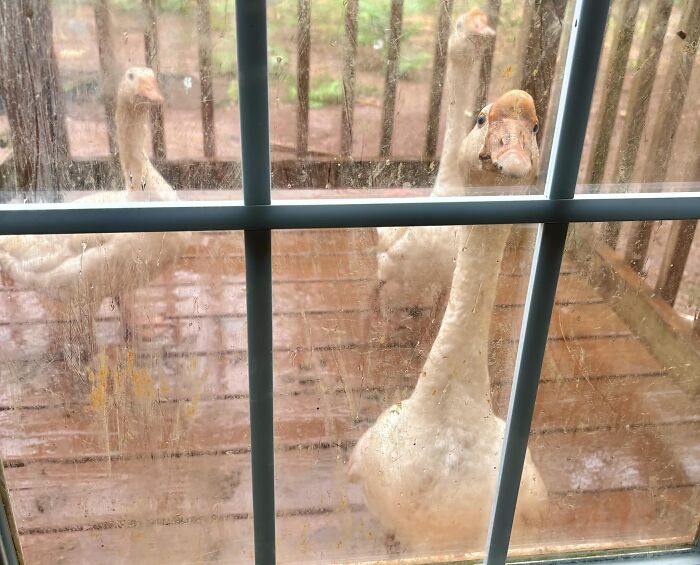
x=347 y=110
x=303 y=64
x=50 y=497
x=575 y=522
x=150 y=39
x=638 y=102
x=46 y=383
x=602 y=134
x=109 y=72
x=326 y=400
x=667 y=121
x=199 y=335
x=437 y=80
x=678 y=246
x=206 y=79
x=391 y=78
x=31 y=91
x=663 y=332
x=287 y=174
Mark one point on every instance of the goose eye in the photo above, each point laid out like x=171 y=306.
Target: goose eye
x=481 y=120
x=130 y=76
x=536 y=128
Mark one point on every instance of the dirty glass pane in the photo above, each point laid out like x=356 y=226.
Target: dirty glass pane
x=124 y=429
x=82 y=114
x=349 y=353
x=643 y=130
x=615 y=432
x=378 y=98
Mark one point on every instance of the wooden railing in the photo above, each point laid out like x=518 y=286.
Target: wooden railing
x=540 y=20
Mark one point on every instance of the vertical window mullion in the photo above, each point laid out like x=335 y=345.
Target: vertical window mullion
x=251 y=38
x=8 y=551
x=577 y=91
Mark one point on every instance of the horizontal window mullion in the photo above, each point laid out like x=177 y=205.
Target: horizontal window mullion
x=365 y=213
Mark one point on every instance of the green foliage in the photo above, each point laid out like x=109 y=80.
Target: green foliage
x=412 y=63
x=323 y=91
x=172 y=6
x=232 y=92
x=328 y=91
x=224 y=60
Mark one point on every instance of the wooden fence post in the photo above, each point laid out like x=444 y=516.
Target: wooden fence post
x=542 y=48
x=667 y=119
x=303 y=68
x=613 y=87
x=31 y=89
x=109 y=72
x=150 y=37
x=638 y=103
x=438 y=78
x=680 y=240
x=205 y=79
x=392 y=67
x=347 y=112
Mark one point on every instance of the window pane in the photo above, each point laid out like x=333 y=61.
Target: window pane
x=126 y=445
x=372 y=95
x=102 y=100
x=348 y=349
x=615 y=431
x=643 y=130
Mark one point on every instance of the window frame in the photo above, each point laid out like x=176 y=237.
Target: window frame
x=257 y=215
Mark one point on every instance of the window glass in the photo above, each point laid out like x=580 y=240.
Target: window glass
x=643 y=129
x=615 y=430
x=388 y=429
x=128 y=81
x=124 y=423
x=379 y=98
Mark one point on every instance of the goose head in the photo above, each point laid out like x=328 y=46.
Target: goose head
x=503 y=141
x=470 y=36
x=138 y=89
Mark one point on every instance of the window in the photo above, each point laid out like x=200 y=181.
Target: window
x=601 y=428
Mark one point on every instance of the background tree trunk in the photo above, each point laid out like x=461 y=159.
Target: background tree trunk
x=30 y=87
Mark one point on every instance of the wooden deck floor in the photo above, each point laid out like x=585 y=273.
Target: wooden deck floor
x=154 y=467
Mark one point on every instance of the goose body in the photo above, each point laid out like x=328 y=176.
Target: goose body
x=80 y=270
x=428 y=464
x=415 y=264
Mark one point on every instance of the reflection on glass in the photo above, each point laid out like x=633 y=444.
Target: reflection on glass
x=643 y=133
x=123 y=409
x=615 y=431
x=85 y=49
x=382 y=95
x=388 y=438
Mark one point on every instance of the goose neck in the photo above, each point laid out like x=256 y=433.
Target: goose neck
x=457 y=90
x=457 y=366
x=131 y=139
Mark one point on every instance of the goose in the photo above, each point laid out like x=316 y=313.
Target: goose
x=79 y=270
x=428 y=464
x=415 y=264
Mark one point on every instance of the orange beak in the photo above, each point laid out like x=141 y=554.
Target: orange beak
x=148 y=89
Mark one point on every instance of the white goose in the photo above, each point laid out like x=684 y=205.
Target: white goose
x=428 y=464
x=415 y=264
x=79 y=270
